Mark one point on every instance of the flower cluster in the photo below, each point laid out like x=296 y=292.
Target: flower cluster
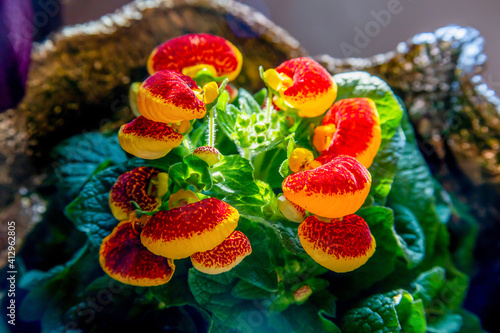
x=140 y=251
x=170 y=98
x=162 y=222
x=334 y=185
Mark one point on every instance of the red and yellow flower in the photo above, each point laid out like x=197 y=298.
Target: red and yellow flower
x=334 y=189
x=341 y=245
x=351 y=127
x=303 y=84
x=191 y=53
x=143 y=185
x=124 y=258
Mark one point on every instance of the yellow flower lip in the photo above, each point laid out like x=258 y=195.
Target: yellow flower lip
x=304 y=85
x=148 y=139
x=124 y=258
x=302 y=159
x=291 y=211
x=340 y=246
x=224 y=256
x=350 y=127
x=182 y=198
x=191 y=53
x=195 y=227
x=169 y=97
x=334 y=189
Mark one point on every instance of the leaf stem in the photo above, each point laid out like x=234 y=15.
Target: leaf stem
x=269 y=105
x=211 y=128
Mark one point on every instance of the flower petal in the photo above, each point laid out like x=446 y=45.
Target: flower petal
x=133 y=186
x=124 y=258
x=168 y=97
x=339 y=245
x=196 y=227
x=189 y=54
x=356 y=131
x=224 y=256
x=335 y=189
x=313 y=89
x=148 y=139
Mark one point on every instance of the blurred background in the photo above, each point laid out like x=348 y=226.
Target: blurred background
x=332 y=26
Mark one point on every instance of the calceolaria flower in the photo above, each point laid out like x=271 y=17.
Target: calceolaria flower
x=208 y=154
x=303 y=84
x=341 y=245
x=192 y=53
x=351 y=127
x=196 y=227
x=124 y=258
x=148 y=139
x=224 y=256
x=334 y=189
x=143 y=185
x=170 y=97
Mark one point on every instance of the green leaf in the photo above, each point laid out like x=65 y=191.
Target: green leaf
x=362 y=84
x=176 y=292
x=213 y=292
x=410 y=236
x=77 y=158
x=247 y=290
x=414 y=188
x=90 y=211
x=257 y=268
x=375 y=314
x=428 y=284
x=384 y=166
x=411 y=313
x=238 y=176
x=192 y=171
x=447 y=323
x=260 y=96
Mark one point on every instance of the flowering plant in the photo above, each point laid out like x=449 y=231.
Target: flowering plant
x=311 y=209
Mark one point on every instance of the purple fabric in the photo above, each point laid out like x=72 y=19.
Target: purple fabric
x=16 y=32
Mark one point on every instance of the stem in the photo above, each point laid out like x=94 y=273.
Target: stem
x=187 y=144
x=269 y=105
x=211 y=128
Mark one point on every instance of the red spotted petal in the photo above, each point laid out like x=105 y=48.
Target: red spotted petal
x=335 y=189
x=224 y=256
x=124 y=258
x=168 y=97
x=148 y=139
x=190 y=53
x=133 y=186
x=209 y=154
x=196 y=227
x=357 y=130
x=313 y=89
x=341 y=245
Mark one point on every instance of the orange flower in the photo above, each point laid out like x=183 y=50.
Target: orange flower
x=351 y=127
x=148 y=139
x=341 y=245
x=189 y=54
x=334 y=189
x=196 y=227
x=170 y=97
x=124 y=258
x=143 y=185
x=224 y=256
x=303 y=84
